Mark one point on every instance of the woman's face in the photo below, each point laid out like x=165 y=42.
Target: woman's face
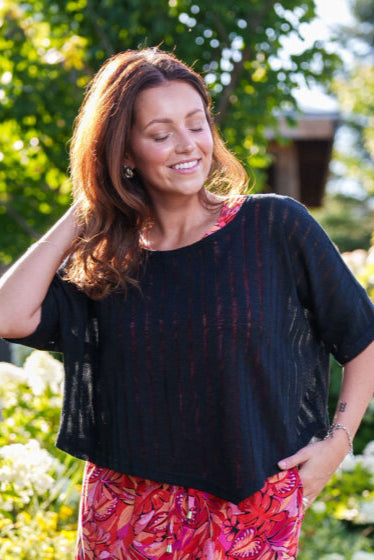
x=171 y=143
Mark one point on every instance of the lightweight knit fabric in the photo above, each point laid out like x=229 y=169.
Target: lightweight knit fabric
x=132 y=517
x=218 y=366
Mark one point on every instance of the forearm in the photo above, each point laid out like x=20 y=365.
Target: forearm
x=24 y=286
x=356 y=392
x=318 y=461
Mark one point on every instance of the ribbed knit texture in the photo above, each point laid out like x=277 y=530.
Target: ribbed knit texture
x=218 y=367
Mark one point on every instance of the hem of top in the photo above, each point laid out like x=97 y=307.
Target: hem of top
x=195 y=482
x=359 y=346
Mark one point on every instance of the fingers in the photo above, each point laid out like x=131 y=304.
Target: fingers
x=295 y=460
x=316 y=464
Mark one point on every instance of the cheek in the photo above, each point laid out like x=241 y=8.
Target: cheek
x=207 y=143
x=151 y=154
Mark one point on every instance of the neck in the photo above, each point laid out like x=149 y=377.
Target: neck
x=182 y=221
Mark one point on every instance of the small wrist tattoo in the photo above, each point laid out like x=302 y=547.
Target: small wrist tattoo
x=342 y=406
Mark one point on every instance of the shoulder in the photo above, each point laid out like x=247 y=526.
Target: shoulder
x=282 y=217
x=276 y=208
x=272 y=200
x=65 y=291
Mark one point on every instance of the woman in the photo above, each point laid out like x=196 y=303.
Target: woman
x=196 y=330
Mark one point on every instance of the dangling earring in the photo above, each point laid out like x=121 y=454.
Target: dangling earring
x=129 y=174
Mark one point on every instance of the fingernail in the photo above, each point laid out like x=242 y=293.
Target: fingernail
x=282 y=464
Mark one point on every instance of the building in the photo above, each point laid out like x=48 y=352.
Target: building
x=301 y=163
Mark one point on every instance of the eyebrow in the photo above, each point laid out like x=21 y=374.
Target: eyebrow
x=190 y=114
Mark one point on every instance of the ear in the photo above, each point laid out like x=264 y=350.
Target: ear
x=129 y=161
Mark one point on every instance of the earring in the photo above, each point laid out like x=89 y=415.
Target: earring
x=129 y=174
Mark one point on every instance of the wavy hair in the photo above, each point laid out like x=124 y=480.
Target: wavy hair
x=112 y=209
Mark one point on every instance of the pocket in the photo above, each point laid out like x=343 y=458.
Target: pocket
x=301 y=504
x=284 y=484
x=300 y=482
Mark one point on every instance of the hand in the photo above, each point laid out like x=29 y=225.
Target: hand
x=317 y=462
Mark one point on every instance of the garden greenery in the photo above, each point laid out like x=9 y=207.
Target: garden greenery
x=39 y=485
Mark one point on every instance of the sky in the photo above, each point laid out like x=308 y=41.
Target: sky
x=330 y=13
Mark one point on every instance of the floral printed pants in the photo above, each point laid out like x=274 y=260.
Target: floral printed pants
x=126 y=517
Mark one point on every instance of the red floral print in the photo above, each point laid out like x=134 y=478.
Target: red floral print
x=129 y=517
x=228 y=212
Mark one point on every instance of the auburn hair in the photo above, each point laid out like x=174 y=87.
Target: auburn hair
x=113 y=209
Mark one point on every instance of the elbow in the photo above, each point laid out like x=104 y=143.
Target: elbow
x=18 y=327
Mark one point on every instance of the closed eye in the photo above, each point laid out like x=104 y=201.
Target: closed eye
x=161 y=138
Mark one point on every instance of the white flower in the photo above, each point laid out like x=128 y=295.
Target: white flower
x=26 y=469
x=11 y=377
x=332 y=556
x=366 y=513
x=349 y=463
x=368 y=463
x=370 y=257
x=43 y=371
x=355 y=260
x=319 y=506
x=11 y=374
x=361 y=555
x=369 y=449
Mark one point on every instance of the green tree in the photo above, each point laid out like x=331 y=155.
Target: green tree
x=355 y=92
x=49 y=50
x=348 y=220
x=356 y=96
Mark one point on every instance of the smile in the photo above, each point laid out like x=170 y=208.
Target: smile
x=185 y=165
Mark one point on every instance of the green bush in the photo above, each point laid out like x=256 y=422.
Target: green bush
x=40 y=485
x=340 y=524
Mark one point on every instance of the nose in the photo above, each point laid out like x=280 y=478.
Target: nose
x=184 y=143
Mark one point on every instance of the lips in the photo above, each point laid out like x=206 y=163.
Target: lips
x=185 y=164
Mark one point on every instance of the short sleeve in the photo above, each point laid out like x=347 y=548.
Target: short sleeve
x=339 y=307
x=55 y=308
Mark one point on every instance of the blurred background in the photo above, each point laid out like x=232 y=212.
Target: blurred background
x=293 y=90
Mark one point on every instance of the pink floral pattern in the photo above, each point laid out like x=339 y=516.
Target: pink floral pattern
x=228 y=212
x=128 y=517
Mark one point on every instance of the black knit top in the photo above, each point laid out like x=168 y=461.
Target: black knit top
x=218 y=367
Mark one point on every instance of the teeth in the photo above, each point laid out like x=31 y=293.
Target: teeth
x=185 y=165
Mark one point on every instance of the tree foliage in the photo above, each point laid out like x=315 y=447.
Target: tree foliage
x=348 y=221
x=355 y=92
x=49 y=50
x=356 y=96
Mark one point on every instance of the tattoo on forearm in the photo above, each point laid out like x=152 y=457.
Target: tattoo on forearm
x=342 y=406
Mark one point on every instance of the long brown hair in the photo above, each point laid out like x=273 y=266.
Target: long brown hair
x=112 y=208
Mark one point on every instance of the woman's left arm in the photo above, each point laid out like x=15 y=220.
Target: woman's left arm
x=318 y=461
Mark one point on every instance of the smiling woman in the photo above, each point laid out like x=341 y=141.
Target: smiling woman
x=172 y=153
x=146 y=119
x=196 y=328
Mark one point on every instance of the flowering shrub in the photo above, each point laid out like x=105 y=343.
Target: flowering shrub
x=39 y=485
x=361 y=263
x=24 y=473
x=340 y=524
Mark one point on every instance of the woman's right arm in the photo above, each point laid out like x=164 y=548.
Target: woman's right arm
x=24 y=286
